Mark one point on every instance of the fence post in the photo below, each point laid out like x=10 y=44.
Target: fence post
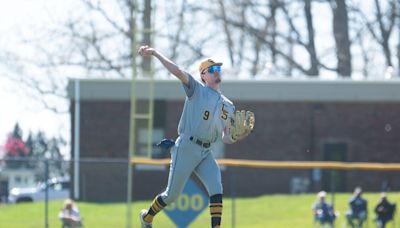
x=46 y=196
x=333 y=185
x=233 y=192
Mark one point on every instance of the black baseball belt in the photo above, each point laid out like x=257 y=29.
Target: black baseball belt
x=200 y=142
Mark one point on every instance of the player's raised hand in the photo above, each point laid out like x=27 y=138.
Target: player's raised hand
x=146 y=51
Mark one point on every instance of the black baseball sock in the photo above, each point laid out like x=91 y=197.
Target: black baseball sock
x=216 y=210
x=157 y=205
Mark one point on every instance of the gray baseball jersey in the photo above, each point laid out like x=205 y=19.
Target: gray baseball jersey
x=205 y=114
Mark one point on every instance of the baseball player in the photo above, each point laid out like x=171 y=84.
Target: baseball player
x=207 y=115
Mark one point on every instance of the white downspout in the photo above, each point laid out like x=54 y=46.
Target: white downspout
x=76 y=139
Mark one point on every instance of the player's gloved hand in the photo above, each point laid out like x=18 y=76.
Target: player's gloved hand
x=242 y=124
x=166 y=143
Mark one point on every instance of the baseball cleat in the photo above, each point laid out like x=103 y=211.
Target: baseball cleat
x=145 y=224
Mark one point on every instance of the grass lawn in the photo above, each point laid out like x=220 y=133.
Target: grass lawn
x=275 y=211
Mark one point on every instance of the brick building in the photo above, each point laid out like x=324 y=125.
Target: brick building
x=296 y=120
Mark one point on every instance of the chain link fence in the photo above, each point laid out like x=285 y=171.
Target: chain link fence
x=101 y=189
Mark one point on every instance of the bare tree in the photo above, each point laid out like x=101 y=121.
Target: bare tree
x=230 y=45
x=147 y=32
x=341 y=34
x=95 y=43
x=242 y=37
x=382 y=25
x=98 y=42
x=295 y=37
x=176 y=39
x=259 y=41
x=267 y=32
x=274 y=6
x=398 y=41
x=257 y=26
x=311 y=43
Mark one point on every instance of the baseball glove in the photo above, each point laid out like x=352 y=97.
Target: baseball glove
x=242 y=124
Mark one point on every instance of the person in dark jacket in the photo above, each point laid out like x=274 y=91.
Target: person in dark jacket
x=358 y=209
x=384 y=211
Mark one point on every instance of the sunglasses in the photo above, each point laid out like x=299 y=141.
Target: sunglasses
x=213 y=69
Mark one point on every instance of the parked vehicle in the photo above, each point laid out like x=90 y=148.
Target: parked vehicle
x=57 y=189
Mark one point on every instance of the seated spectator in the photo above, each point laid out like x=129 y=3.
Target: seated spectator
x=358 y=209
x=323 y=211
x=69 y=215
x=384 y=211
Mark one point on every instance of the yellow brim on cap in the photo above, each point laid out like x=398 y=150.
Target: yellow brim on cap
x=208 y=63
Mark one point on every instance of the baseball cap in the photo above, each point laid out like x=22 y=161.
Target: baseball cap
x=321 y=194
x=207 y=63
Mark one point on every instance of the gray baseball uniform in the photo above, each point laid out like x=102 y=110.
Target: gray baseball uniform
x=205 y=114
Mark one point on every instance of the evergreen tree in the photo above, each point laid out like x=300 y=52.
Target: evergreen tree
x=37 y=149
x=17 y=132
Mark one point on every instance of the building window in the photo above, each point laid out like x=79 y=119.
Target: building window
x=156 y=152
x=334 y=180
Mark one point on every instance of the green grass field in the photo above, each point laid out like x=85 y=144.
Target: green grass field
x=275 y=211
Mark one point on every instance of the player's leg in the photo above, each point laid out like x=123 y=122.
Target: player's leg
x=156 y=206
x=209 y=173
x=182 y=165
x=216 y=210
x=185 y=159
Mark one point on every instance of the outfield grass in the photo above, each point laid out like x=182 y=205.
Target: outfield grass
x=275 y=211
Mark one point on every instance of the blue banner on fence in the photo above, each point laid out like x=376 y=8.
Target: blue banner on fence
x=188 y=206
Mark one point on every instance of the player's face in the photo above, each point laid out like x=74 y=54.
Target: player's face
x=212 y=75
